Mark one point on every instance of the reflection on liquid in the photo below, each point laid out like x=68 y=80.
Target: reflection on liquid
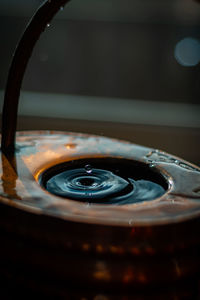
x=144 y=250
x=48 y=149
x=101 y=186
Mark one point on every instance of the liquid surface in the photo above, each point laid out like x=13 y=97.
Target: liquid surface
x=101 y=186
x=44 y=154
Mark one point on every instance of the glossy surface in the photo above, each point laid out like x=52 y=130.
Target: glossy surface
x=115 y=246
x=91 y=185
x=38 y=151
x=77 y=184
x=58 y=245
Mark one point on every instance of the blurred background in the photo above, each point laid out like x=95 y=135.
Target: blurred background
x=128 y=69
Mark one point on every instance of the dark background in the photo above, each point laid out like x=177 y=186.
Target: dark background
x=119 y=50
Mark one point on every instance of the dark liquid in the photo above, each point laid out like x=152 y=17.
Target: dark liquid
x=102 y=186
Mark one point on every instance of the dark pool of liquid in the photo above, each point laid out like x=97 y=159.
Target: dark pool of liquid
x=93 y=185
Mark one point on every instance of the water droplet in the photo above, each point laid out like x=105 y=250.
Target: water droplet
x=130 y=222
x=48 y=24
x=61 y=8
x=152 y=165
x=152 y=152
x=149 y=154
x=158 y=156
x=149 y=160
x=186 y=166
x=88 y=169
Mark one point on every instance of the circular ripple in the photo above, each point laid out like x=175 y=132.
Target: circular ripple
x=102 y=186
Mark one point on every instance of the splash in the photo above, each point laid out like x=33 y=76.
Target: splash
x=101 y=186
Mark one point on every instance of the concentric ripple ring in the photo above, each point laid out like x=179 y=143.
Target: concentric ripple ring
x=101 y=186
